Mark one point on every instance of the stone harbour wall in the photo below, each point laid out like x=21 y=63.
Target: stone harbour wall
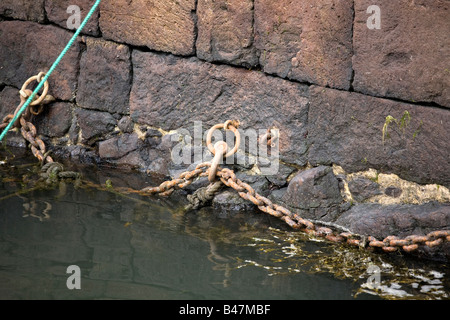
x=325 y=73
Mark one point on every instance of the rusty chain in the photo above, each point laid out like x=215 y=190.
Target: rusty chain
x=27 y=129
x=212 y=170
x=245 y=191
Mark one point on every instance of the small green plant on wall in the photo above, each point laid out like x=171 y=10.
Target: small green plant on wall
x=400 y=124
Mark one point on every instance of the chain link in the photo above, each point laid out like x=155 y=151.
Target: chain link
x=245 y=191
x=226 y=176
x=27 y=129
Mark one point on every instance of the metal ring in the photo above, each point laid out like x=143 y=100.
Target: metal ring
x=227 y=126
x=221 y=147
x=44 y=92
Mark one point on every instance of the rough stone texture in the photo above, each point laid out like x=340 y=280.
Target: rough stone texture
x=23 y=9
x=57 y=12
x=362 y=189
x=381 y=221
x=118 y=146
x=56 y=119
x=305 y=40
x=315 y=192
x=408 y=57
x=225 y=32
x=105 y=77
x=346 y=128
x=26 y=48
x=125 y=124
x=9 y=101
x=228 y=201
x=94 y=123
x=171 y=93
x=162 y=25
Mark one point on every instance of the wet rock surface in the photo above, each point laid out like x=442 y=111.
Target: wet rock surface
x=381 y=221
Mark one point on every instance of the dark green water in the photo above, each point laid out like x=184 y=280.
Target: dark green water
x=132 y=247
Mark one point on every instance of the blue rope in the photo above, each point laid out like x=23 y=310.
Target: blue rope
x=52 y=68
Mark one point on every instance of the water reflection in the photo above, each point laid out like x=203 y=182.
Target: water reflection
x=131 y=247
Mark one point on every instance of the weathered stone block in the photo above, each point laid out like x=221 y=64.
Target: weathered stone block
x=381 y=221
x=9 y=101
x=305 y=40
x=57 y=12
x=315 y=192
x=225 y=32
x=105 y=77
x=171 y=93
x=362 y=189
x=56 y=119
x=163 y=25
x=347 y=129
x=119 y=146
x=94 y=123
x=407 y=58
x=26 y=48
x=23 y=9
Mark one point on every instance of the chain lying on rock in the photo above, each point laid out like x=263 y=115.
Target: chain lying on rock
x=245 y=191
x=317 y=229
x=52 y=171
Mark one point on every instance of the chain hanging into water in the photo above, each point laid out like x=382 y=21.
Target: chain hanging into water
x=50 y=170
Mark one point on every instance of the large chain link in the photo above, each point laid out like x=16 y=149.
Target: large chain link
x=27 y=129
x=317 y=229
x=228 y=178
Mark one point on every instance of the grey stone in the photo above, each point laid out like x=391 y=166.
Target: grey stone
x=105 y=77
x=182 y=88
x=23 y=10
x=56 y=119
x=306 y=40
x=346 y=128
x=162 y=25
x=225 y=32
x=362 y=188
x=125 y=124
x=118 y=146
x=229 y=201
x=316 y=192
x=57 y=12
x=393 y=192
x=407 y=58
x=402 y=220
x=26 y=48
x=93 y=124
